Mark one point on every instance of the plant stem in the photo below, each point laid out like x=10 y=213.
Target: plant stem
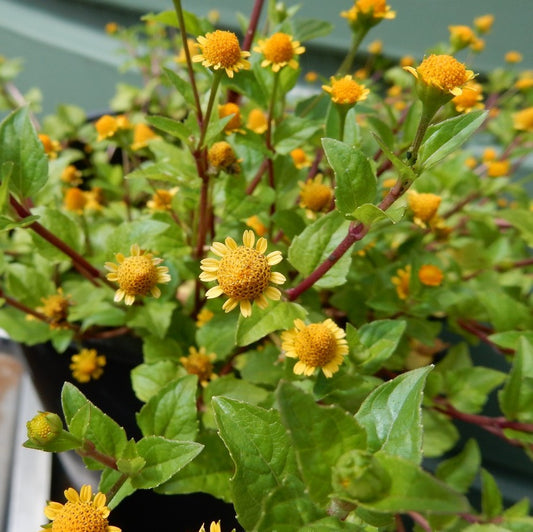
x=347 y=63
x=473 y=328
x=210 y=104
x=428 y=112
x=113 y=490
x=89 y=451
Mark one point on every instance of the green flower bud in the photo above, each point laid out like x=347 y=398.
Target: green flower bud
x=359 y=476
x=44 y=428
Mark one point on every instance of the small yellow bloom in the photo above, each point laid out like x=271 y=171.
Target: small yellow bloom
x=489 y=154
x=424 y=206
x=243 y=273
x=314 y=195
x=513 y=57
x=368 y=13
x=498 y=168
x=484 y=23
x=71 y=175
x=402 y=280
x=199 y=363
x=525 y=80
x=214 y=527
x=142 y=135
x=87 y=365
x=221 y=50
x=55 y=308
x=346 y=91
x=523 y=120
x=471 y=98
x=311 y=76
x=375 y=47
x=221 y=156
x=161 y=199
x=461 y=37
x=44 y=428
x=111 y=28
x=51 y=147
x=430 y=275
x=106 y=126
x=137 y=275
x=477 y=45
x=300 y=158
x=203 y=317
x=257 y=121
x=257 y=225
x=82 y=512
x=318 y=345
x=123 y=122
x=193 y=48
x=228 y=109
x=407 y=60
x=279 y=50
x=94 y=199
x=75 y=200
x=471 y=162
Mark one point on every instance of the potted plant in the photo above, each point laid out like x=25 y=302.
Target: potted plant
x=271 y=299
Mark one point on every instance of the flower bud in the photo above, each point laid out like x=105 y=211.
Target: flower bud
x=359 y=475
x=44 y=428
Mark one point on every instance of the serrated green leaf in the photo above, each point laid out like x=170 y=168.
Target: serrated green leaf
x=305 y=29
x=293 y=132
x=140 y=232
x=172 y=412
x=148 y=379
x=392 y=418
x=460 y=470
x=307 y=424
x=218 y=334
x=260 y=448
x=154 y=316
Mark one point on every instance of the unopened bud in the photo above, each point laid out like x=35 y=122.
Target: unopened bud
x=44 y=428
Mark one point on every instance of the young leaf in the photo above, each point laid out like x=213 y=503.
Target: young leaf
x=392 y=418
x=182 y=86
x=148 y=379
x=460 y=470
x=491 y=498
x=172 y=127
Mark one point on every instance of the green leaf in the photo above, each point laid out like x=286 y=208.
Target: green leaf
x=392 y=418
x=172 y=127
x=71 y=401
x=305 y=29
x=294 y=132
x=163 y=459
x=316 y=243
x=148 y=379
x=446 y=137
x=218 y=334
x=440 y=434
x=21 y=147
x=171 y=413
x=260 y=448
x=140 y=232
x=355 y=179
x=156 y=349
x=405 y=172
x=277 y=316
x=516 y=397
x=511 y=339
x=307 y=424
x=521 y=220
x=491 y=498
x=154 y=316
x=460 y=471
x=182 y=86
x=6 y=170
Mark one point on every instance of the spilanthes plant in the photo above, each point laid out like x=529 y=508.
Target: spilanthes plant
x=299 y=267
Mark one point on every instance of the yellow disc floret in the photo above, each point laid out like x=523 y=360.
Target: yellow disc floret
x=430 y=275
x=424 y=206
x=279 y=50
x=87 y=365
x=314 y=195
x=346 y=91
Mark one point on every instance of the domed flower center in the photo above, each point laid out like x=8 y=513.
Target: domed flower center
x=244 y=273
x=221 y=154
x=346 y=91
x=377 y=7
x=278 y=48
x=222 y=47
x=424 y=206
x=80 y=516
x=443 y=71
x=315 y=196
x=137 y=275
x=315 y=345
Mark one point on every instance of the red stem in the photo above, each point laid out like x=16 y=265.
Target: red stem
x=475 y=329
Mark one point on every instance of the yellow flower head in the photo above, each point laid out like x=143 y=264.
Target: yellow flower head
x=300 y=158
x=137 y=275
x=214 y=527
x=203 y=317
x=44 y=428
x=81 y=512
x=477 y=45
x=257 y=121
x=489 y=154
x=368 y=13
x=346 y=91
x=51 y=147
x=106 y=126
x=314 y=195
x=498 y=168
x=161 y=199
x=523 y=120
x=55 y=308
x=193 y=48
x=375 y=47
x=111 y=28
x=228 y=109
x=243 y=273
x=279 y=50
x=94 y=198
x=87 y=365
x=311 y=76
x=443 y=73
x=513 y=57
x=199 y=363
x=484 y=23
x=318 y=345
x=424 y=206
x=471 y=162
x=461 y=37
x=142 y=135
x=470 y=99
x=74 y=200
x=407 y=60
x=71 y=175
x=524 y=81
x=402 y=280
x=221 y=50
x=255 y=223
x=222 y=156
x=430 y=275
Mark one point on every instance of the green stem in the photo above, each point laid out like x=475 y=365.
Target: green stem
x=428 y=112
x=343 y=111
x=113 y=490
x=346 y=65
x=210 y=104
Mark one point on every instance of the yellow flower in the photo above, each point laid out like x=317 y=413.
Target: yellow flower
x=525 y=80
x=74 y=200
x=346 y=91
x=137 y=275
x=228 y=109
x=314 y=195
x=94 y=199
x=402 y=281
x=215 y=527
x=44 y=428
x=311 y=76
x=407 y=60
x=513 y=57
x=51 y=147
x=461 y=37
x=257 y=121
x=442 y=72
x=221 y=50
x=523 y=120
x=142 y=135
x=300 y=158
x=279 y=50
x=477 y=45
x=424 y=206
x=203 y=317
x=430 y=275
x=471 y=98
x=484 y=23
x=375 y=47
x=71 y=175
x=161 y=199
x=199 y=363
x=111 y=28
x=192 y=46
x=106 y=126
x=87 y=365
x=243 y=273
x=498 y=168
x=489 y=154
x=80 y=513
x=471 y=162
x=255 y=223
x=318 y=345
x=221 y=156
x=368 y=13
x=55 y=308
